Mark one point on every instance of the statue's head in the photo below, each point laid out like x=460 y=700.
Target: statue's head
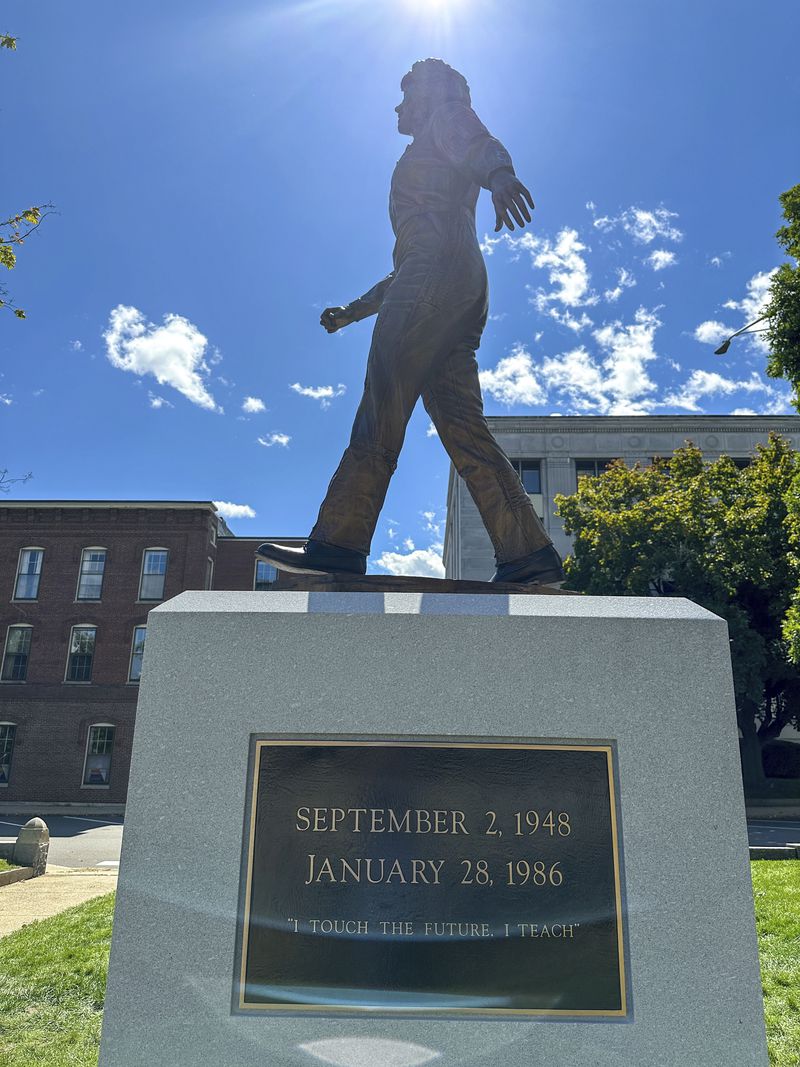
x=429 y=83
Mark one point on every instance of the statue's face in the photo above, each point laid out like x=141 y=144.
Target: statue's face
x=412 y=111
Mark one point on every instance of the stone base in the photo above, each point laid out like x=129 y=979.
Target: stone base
x=391 y=583
x=652 y=677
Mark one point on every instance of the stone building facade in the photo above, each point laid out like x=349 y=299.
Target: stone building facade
x=77 y=580
x=551 y=453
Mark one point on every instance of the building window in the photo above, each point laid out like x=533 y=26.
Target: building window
x=17 y=650
x=214 y=530
x=590 y=468
x=137 y=653
x=7 y=733
x=81 y=653
x=28 y=573
x=90 y=580
x=209 y=572
x=99 y=748
x=266 y=575
x=530 y=474
x=154 y=570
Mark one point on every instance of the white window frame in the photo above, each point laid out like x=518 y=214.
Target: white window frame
x=152 y=548
x=138 y=626
x=209 y=573
x=7 y=722
x=26 y=599
x=91 y=727
x=13 y=681
x=72 y=629
x=213 y=533
x=85 y=599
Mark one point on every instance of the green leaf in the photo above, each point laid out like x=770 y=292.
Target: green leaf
x=8 y=42
x=19 y=313
x=7 y=257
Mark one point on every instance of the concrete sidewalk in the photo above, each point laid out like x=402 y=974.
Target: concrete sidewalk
x=60 y=888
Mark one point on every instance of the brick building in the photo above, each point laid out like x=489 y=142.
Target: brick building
x=77 y=580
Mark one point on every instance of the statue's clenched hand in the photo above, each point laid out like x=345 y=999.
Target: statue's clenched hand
x=509 y=197
x=334 y=319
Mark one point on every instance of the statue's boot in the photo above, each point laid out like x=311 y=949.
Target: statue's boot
x=315 y=557
x=539 y=568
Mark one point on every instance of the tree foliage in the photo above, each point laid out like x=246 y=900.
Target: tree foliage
x=783 y=309
x=17 y=228
x=727 y=538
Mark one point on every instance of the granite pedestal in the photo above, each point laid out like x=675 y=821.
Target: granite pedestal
x=649 y=676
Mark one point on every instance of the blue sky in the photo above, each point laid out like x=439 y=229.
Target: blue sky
x=220 y=174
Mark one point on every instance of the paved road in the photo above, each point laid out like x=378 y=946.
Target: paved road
x=774 y=832
x=78 y=841
x=75 y=841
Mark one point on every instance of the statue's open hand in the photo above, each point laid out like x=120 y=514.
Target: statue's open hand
x=509 y=197
x=334 y=319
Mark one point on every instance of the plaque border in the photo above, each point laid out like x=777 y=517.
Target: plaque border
x=258 y=742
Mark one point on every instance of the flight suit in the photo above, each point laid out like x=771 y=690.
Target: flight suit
x=431 y=310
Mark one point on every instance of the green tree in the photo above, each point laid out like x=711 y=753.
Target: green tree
x=721 y=536
x=783 y=309
x=17 y=228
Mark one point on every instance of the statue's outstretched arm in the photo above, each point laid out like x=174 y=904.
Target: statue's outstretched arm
x=335 y=318
x=370 y=302
x=464 y=140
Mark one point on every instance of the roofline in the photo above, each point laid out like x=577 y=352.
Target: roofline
x=178 y=504
x=639 y=420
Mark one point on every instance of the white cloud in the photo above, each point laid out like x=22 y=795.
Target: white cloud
x=751 y=307
x=625 y=280
x=513 y=380
x=233 y=511
x=562 y=258
x=616 y=382
x=743 y=411
x=76 y=346
x=702 y=383
x=391 y=533
x=565 y=318
x=431 y=526
x=174 y=353
x=5 y=399
x=642 y=225
x=431 y=431
x=578 y=375
x=420 y=562
x=271 y=439
x=158 y=401
x=717 y=261
x=252 y=405
x=711 y=332
x=661 y=258
x=753 y=303
x=409 y=545
x=323 y=393
x=568 y=272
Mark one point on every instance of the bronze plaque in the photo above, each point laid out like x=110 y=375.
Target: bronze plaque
x=435 y=877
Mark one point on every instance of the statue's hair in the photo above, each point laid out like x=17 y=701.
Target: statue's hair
x=437 y=78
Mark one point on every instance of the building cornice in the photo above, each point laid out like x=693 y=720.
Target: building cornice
x=639 y=424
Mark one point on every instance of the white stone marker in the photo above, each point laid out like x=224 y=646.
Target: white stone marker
x=651 y=676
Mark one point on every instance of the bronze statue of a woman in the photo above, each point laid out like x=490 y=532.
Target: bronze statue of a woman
x=431 y=312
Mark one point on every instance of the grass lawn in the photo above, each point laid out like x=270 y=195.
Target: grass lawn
x=6 y=866
x=53 y=974
x=776 y=886
x=52 y=984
